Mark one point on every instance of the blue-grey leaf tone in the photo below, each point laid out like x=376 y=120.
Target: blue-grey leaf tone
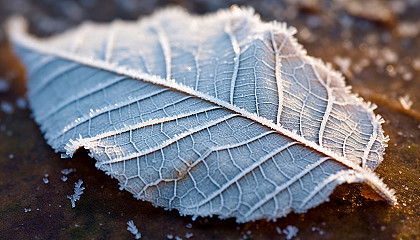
x=211 y=115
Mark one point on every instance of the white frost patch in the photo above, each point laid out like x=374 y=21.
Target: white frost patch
x=133 y=229
x=64 y=178
x=27 y=209
x=405 y=102
x=78 y=190
x=7 y=107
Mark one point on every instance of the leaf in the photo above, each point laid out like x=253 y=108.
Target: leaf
x=214 y=115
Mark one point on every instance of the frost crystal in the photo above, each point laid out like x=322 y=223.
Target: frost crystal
x=78 y=190
x=133 y=229
x=290 y=232
x=189 y=235
x=67 y=171
x=405 y=102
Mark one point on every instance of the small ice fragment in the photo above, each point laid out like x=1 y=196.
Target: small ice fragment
x=405 y=102
x=133 y=229
x=7 y=107
x=21 y=103
x=11 y=156
x=67 y=171
x=27 y=209
x=45 y=180
x=389 y=55
x=189 y=235
x=64 y=178
x=290 y=232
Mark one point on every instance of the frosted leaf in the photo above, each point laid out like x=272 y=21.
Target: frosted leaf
x=212 y=115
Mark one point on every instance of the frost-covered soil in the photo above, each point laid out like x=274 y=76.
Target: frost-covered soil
x=375 y=46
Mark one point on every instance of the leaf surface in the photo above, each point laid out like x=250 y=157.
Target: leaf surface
x=211 y=115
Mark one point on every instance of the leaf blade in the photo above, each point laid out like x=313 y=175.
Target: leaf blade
x=262 y=120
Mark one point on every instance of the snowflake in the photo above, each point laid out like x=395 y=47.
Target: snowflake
x=78 y=190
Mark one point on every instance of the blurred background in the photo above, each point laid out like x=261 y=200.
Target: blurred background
x=375 y=43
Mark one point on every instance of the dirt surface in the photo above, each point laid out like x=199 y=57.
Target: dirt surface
x=376 y=46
